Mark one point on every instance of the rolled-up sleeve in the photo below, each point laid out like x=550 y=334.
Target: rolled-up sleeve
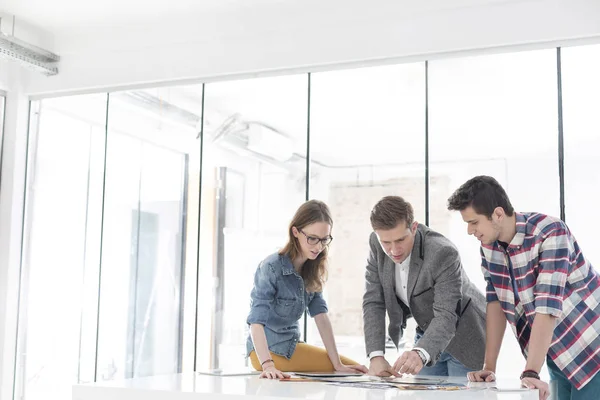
x=317 y=305
x=262 y=295
x=554 y=264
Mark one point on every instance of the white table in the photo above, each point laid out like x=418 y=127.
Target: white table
x=191 y=386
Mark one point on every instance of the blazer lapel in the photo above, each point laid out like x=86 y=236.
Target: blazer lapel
x=395 y=311
x=415 y=263
x=389 y=277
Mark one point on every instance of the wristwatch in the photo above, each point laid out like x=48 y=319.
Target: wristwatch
x=421 y=355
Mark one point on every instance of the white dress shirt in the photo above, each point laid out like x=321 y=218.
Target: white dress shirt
x=401 y=283
x=401 y=288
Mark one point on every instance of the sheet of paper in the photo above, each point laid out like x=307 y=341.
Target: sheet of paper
x=409 y=379
x=326 y=374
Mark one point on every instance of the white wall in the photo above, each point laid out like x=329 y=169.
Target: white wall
x=3 y=75
x=11 y=76
x=309 y=35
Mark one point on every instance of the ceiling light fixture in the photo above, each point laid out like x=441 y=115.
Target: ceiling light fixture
x=27 y=55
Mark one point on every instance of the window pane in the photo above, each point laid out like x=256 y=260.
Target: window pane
x=60 y=252
x=493 y=115
x=367 y=141
x=152 y=135
x=581 y=85
x=253 y=180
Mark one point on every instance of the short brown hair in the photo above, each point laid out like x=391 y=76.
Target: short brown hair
x=482 y=193
x=390 y=211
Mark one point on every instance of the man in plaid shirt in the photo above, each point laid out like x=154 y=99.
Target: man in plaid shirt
x=540 y=282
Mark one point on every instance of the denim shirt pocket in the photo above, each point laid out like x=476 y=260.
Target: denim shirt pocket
x=288 y=308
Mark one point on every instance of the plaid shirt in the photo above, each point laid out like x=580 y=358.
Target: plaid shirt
x=552 y=277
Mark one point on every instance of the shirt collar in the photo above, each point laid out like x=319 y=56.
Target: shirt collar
x=287 y=268
x=521 y=227
x=406 y=262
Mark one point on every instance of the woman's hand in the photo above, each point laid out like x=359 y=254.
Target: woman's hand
x=351 y=368
x=270 y=372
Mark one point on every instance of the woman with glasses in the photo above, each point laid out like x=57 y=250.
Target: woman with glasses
x=285 y=285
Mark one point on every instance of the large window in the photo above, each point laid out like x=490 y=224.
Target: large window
x=493 y=115
x=581 y=85
x=150 y=134
x=367 y=141
x=253 y=180
x=107 y=239
x=61 y=246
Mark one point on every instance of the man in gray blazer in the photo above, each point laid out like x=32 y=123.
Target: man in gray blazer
x=413 y=271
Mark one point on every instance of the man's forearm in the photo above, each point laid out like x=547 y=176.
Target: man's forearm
x=495 y=325
x=539 y=341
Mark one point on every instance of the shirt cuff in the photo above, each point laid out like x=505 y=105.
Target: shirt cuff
x=376 y=353
x=424 y=352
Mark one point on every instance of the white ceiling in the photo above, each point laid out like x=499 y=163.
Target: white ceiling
x=60 y=15
x=64 y=15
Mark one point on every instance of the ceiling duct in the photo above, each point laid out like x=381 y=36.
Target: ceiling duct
x=27 y=55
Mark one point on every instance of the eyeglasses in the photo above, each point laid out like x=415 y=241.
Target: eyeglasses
x=312 y=240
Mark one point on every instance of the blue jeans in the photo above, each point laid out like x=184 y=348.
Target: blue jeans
x=447 y=365
x=562 y=389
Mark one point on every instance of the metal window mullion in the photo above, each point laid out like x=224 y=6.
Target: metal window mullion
x=101 y=244
x=201 y=144
x=307 y=186
x=22 y=292
x=427 y=206
x=561 y=139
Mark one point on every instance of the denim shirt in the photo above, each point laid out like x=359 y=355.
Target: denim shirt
x=278 y=300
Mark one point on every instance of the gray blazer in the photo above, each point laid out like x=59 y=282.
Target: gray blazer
x=442 y=300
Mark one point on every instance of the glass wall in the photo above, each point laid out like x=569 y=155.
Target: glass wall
x=107 y=239
x=581 y=121
x=61 y=246
x=367 y=141
x=151 y=135
x=493 y=115
x=253 y=180
x=137 y=199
